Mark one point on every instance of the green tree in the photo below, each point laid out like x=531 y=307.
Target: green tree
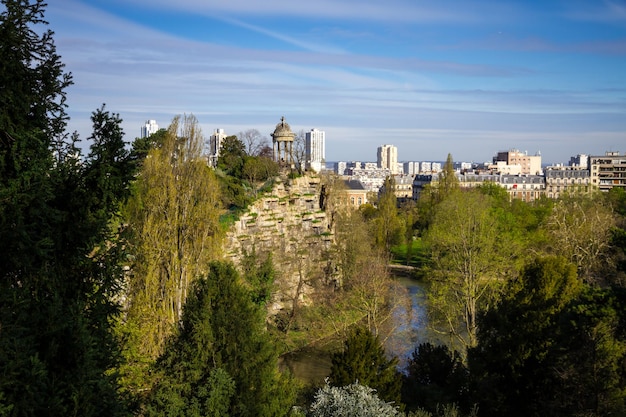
x=232 y=157
x=435 y=377
x=389 y=227
x=444 y=184
x=512 y=363
x=174 y=220
x=467 y=264
x=59 y=270
x=580 y=228
x=222 y=357
x=363 y=361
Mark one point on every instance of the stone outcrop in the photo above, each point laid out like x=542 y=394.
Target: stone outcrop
x=290 y=224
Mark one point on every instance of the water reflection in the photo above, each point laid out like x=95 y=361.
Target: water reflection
x=409 y=329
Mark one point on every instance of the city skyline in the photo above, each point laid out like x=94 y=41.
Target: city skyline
x=469 y=79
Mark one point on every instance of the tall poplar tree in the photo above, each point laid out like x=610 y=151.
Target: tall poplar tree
x=174 y=217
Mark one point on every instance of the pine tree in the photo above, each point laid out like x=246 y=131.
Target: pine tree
x=58 y=271
x=222 y=352
x=363 y=361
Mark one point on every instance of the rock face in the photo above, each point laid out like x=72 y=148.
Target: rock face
x=291 y=225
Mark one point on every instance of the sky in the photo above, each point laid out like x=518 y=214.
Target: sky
x=469 y=78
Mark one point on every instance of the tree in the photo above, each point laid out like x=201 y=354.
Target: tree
x=445 y=184
x=299 y=151
x=232 y=157
x=580 y=228
x=59 y=270
x=222 y=357
x=352 y=400
x=363 y=361
x=467 y=264
x=513 y=362
x=32 y=97
x=448 y=181
x=254 y=142
x=389 y=227
x=435 y=377
x=174 y=216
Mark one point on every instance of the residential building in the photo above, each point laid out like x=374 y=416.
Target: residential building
x=149 y=128
x=521 y=187
x=580 y=160
x=388 y=158
x=402 y=187
x=215 y=144
x=411 y=168
x=561 y=180
x=315 y=149
x=527 y=188
x=608 y=171
x=530 y=164
x=355 y=192
x=340 y=167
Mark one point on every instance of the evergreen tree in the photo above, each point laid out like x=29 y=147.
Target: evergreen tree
x=435 y=377
x=363 y=361
x=59 y=266
x=222 y=356
x=512 y=363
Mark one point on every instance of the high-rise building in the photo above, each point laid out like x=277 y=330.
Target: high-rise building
x=388 y=158
x=215 y=143
x=315 y=144
x=149 y=128
x=580 y=160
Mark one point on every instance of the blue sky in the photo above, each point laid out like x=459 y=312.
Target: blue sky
x=430 y=77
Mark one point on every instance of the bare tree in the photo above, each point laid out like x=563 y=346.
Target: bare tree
x=299 y=151
x=254 y=141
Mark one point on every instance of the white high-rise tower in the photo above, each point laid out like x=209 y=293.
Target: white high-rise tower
x=388 y=158
x=315 y=143
x=149 y=128
x=215 y=143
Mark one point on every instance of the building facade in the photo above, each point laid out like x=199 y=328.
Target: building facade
x=608 y=171
x=530 y=164
x=315 y=144
x=149 y=128
x=561 y=180
x=215 y=144
x=387 y=158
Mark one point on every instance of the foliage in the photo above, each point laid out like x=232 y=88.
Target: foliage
x=388 y=225
x=222 y=356
x=435 y=376
x=174 y=218
x=580 y=228
x=353 y=400
x=32 y=97
x=254 y=142
x=435 y=193
x=259 y=275
x=232 y=157
x=363 y=360
x=467 y=266
x=59 y=267
x=513 y=364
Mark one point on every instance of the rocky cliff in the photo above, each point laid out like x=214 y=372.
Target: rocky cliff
x=291 y=225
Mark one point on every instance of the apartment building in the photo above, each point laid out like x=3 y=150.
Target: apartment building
x=608 y=171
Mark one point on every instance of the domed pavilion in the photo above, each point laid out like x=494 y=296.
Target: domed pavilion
x=282 y=140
